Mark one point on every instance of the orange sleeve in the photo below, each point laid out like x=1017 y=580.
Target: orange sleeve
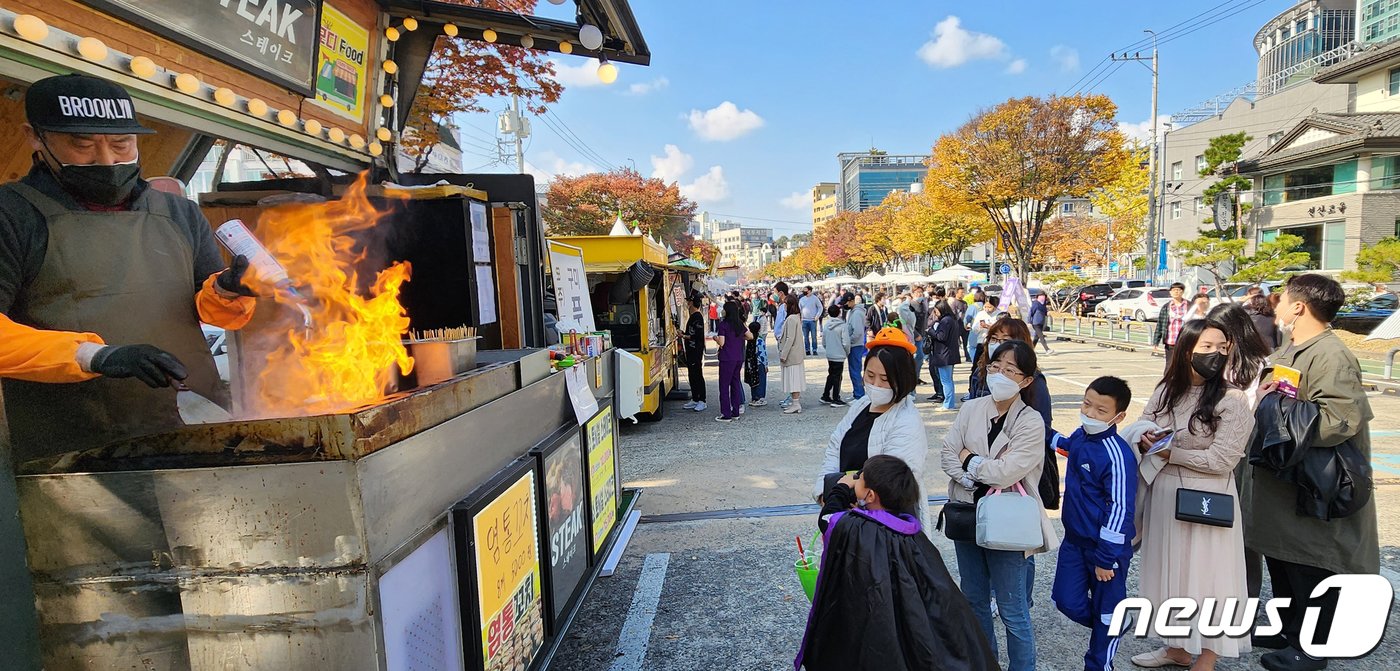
x=227 y=313
x=27 y=353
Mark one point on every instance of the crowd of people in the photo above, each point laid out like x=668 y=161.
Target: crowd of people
x=1251 y=452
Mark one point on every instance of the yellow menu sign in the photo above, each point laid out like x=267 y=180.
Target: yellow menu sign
x=340 y=65
x=602 y=475
x=508 y=577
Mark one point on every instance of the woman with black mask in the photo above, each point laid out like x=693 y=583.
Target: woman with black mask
x=1192 y=434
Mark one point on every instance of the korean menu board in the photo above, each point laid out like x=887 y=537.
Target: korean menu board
x=509 y=601
x=602 y=475
x=568 y=538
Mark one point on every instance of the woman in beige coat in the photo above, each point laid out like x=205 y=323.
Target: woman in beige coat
x=1212 y=424
x=998 y=441
x=790 y=356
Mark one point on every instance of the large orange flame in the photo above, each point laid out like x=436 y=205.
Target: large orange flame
x=348 y=357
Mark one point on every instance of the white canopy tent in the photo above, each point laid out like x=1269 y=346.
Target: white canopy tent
x=904 y=278
x=873 y=278
x=956 y=273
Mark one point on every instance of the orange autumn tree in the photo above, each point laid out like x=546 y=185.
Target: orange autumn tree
x=1015 y=161
x=460 y=73
x=588 y=205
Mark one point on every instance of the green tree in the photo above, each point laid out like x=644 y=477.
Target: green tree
x=1225 y=150
x=1378 y=263
x=1270 y=259
x=1217 y=257
x=1060 y=279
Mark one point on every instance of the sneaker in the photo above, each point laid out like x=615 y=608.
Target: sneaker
x=837 y=403
x=824 y=400
x=724 y=419
x=794 y=409
x=936 y=399
x=758 y=403
x=699 y=407
x=741 y=409
x=1049 y=352
x=1291 y=659
x=689 y=405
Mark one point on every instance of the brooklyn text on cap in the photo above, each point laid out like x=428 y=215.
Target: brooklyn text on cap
x=81 y=104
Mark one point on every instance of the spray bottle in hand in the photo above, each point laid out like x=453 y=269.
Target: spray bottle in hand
x=237 y=239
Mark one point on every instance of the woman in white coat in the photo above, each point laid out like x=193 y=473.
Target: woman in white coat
x=884 y=421
x=998 y=441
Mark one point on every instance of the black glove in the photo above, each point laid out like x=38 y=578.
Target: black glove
x=146 y=363
x=231 y=280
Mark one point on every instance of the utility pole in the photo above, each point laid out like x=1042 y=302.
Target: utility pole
x=1154 y=161
x=511 y=123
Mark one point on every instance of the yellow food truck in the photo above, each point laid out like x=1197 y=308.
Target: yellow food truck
x=640 y=298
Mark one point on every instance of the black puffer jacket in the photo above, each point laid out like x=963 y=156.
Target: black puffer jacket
x=1332 y=482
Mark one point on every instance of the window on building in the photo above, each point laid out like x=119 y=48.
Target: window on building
x=1199 y=206
x=1067 y=208
x=1176 y=210
x=1200 y=163
x=1301 y=26
x=1334 y=238
x=1176 y=170
x=1394 y=83
x=1397 y=227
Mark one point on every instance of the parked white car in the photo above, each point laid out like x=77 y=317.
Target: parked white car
x=1140 y=304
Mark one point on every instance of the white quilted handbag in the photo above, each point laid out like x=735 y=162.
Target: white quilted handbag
x=1009 y=520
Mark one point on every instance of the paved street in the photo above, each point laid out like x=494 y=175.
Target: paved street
x=721 y=593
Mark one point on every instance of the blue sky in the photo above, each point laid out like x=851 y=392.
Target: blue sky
x=747 y=102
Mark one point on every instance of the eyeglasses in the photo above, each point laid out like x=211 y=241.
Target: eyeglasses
x=1004 y=368
x=993 y=343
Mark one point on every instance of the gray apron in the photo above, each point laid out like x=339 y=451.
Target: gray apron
x=127 y=276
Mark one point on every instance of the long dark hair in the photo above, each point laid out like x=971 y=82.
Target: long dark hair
x=1176 y=383
x=1023 y=355
x=899 y=369
x=734 y=317
x=1248 y=351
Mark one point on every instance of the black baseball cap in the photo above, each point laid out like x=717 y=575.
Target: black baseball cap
x=81 y=104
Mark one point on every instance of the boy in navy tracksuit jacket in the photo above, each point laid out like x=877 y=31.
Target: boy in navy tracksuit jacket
x=1100 y=492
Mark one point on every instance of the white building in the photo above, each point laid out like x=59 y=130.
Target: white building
x=750 y=248
x=706 y=227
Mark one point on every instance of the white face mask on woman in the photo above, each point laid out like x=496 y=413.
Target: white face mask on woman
x=1002 y=387
x=879 y=395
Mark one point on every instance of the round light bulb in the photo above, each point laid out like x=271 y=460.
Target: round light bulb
x=312 y=127
x=390 y=67
x=143 y=67
x=449 y=29
x=375 y=149
x=92 y=49
x=392 y=34
x=187 y=83
x=527 y=41
x=590 y=37
x=489 y=35
x=384 y=134
x=31 y=27
x=607 y=72
x=410 y=23
x=286 y=117
x=566 y=48
x=225 y=96
x=386 y=100
x=257 y=107
x=356 y=141
x=336 y=135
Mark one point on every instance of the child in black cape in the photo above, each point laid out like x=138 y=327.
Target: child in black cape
x=884 y=599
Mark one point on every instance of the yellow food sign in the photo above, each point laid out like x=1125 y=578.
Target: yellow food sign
x=508 y=577
x=602 y=475
x=340 y=65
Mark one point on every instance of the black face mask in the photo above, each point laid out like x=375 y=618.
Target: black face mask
x=97 y=184
x=1208 y=365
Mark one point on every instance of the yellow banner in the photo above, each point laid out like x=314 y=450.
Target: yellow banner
x=341 y=72
x=508 y=576
x=602 y=475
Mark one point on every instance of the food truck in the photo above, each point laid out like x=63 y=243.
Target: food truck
x=362 y=509
x=636 y=294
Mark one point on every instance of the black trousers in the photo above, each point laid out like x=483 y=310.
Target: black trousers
x=697 y=380
x=833 y=380
x=1296 y=582
x=933 y=375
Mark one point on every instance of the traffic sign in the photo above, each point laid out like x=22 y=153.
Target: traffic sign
x=1005 y=269
x=1113 y=267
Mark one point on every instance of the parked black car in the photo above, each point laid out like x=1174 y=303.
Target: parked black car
x=1365 y=318
x=1090 y=295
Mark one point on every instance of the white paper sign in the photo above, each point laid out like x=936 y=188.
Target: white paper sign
x=585 y=404
x=486 y=295
x=481 y=235
x=571 y=287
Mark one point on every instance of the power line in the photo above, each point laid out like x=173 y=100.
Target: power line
x=596 y=156
x=577 y=145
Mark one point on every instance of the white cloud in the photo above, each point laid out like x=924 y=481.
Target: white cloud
x=952 y=45
x=1142 y=130
x=581 y=75
x=1016 y=67
x=643 y=88
x=709 y=187
x=546 y=164
x=725 y=122
x=671 y=166
x=797 y=201
x=1065 y=57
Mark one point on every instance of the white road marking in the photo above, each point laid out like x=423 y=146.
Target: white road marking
x=1083 y=385
x=636 y=630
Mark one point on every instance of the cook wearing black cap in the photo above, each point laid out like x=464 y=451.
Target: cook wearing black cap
x=103 y=280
